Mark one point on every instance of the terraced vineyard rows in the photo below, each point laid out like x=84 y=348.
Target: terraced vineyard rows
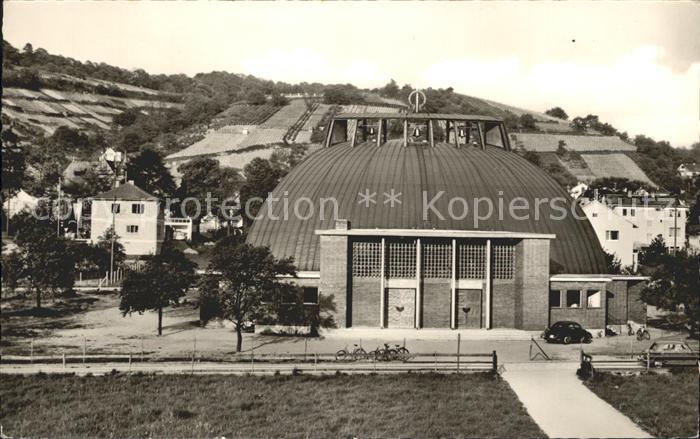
x=48 y=109
x=244 y=114
x=287 y=116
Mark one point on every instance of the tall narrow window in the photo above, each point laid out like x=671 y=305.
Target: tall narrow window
x=503 y=262
x=115 y=207
x=437 y=261
x=137 y=208
x=366 y=259
x=402 y=259
x=471 y=260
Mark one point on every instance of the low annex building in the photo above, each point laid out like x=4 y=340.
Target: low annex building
x=353 y=216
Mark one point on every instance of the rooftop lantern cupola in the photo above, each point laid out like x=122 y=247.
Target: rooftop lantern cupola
x=358 y=125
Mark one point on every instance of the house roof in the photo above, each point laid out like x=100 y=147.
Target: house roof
x=126 y=192
x=692 y=167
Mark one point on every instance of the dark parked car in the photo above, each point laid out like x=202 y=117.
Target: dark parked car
x=567 y=332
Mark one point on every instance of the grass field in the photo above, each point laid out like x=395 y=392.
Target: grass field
x=410 y=405
x=664 y=405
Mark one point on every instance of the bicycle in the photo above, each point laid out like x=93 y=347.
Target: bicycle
x=357 y=354
x=386 y=353
x=642 y=333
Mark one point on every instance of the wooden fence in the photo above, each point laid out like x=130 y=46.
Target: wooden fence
x=262 y=362
x=637 y=361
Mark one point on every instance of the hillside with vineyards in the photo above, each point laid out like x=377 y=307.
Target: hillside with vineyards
x=63 y=110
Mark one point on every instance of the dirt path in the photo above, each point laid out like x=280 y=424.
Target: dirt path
x=563 y=407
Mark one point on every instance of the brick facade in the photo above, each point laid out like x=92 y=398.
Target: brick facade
x=521 y=302
x=334 y=275
x=589 y=318
x=532 y=284
x=365 y=297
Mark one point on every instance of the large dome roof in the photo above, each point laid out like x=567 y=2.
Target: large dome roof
x=343 y=172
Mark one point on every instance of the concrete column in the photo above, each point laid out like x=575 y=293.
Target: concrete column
x=405 y=132
x=329 y=135
x=419 y=302
x=380 y=132
x=453 y=292
x=431 y=133
x=487 y=286
x=382 y=287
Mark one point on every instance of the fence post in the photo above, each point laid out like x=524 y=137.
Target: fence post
x=84 y=348
x=63 y=358
x=306 y=339
x=315 y=362
x=648 y=361
x=129 y=361
x=31 y=351
x=495 y=362
x=459 y=342
x=435 y=358
x=252 y=359
x=142 y=348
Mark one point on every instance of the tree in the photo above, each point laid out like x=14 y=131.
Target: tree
x=390 y=90
x=653 y=255
x=261 y=177
x=557 y=112
x=278 y=100
x=532 y=157
x=256 y=97
x=48 y=264
x=675 y=283
x=239 y=280
x=528 y=122
x=613 y=264
x=164 y=281
x=148 y=172
x=204 y=178
x=616 y=185
x=12 y=269
x=104 y=243
x=13 y=164
x=126 y=117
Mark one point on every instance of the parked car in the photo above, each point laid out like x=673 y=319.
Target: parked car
x=671 y=353
x=248 y=326
x=567 y=332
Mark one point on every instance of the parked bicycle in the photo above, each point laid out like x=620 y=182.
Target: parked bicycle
x=642 y=333
x=358 y=353
x=386 y=353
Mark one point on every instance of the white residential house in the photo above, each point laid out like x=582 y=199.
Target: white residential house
x=616 y=233
x=688 y=170
x=664 y=216
x=135 y=215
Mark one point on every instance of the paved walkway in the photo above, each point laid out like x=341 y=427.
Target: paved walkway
x=563 y=407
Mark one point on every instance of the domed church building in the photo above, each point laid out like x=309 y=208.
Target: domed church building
x=423 y=220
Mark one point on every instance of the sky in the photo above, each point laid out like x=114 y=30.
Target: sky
x=635 y=65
